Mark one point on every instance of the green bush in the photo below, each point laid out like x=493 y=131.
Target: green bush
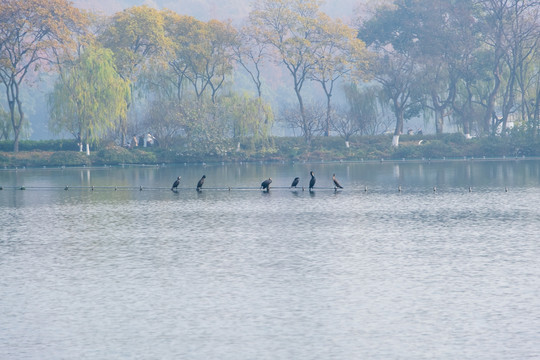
x=437 y=149
x=44 y=145
x=69 y=158
x=112 y=156
x=407 y=152
x=143 y=157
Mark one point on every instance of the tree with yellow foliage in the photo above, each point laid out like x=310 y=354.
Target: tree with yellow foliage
x=29 y=31
x=339 y=53
x=137 y=39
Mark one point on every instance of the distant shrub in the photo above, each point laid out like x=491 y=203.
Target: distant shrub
x=143 y=157
x=68 y=158
x=407 y=152
x=113 y=155
x=437 y=149
x=29 y=159
x=43 y=145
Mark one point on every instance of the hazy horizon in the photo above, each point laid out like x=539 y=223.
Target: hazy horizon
x=234 y=10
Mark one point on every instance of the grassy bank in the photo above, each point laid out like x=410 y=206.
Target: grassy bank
x=64 y=153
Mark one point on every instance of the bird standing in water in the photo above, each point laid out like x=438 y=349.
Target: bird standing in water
x=295 y=182
x=200 y=183
x=175 y=184
x=312 y=181
x=336 y=183
x=266 y=184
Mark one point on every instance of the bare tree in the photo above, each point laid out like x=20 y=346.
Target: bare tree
x=250 y=53
x=345 y=123
x=309 y=125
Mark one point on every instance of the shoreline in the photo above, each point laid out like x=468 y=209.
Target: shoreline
x=272 y=161
x=448 y=147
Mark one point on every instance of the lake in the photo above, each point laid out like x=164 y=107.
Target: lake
x=417 y=260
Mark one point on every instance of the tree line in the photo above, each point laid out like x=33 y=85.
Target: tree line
x=472 y=63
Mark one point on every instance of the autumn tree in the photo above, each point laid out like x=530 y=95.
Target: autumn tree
x=201 y=54
x=137 y=39
x=339 y=53
x=90 y=98
x=183 y=33
x=250 y=53
x=29 y=30
x=291 y=28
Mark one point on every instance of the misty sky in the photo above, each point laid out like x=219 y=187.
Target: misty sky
x=205 y=10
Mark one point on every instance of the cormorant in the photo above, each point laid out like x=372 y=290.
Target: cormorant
x=200 y=183
x=295 y=182
x=266 y=184
x=336 y=183
x=175 y=184
x=312 y=181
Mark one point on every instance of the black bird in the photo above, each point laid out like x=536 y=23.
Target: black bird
x=295 y=182
x=266 y=184
x=175 y=184
x=336 y=183
x=200 y=183
x=312 y=181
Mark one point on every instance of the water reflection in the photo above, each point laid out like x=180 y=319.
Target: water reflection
x=244 y=274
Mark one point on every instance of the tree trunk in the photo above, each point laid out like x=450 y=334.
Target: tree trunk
x=328 y=92
x=467 y=114
x=305 y=130
x=12 y=91
x=16 y=133
x=328 y=111
x=439 y=113
x=490 y=106
x=399 y=123
x=439 y=121
x=536 y=116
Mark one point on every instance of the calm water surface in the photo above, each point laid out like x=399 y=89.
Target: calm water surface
x=242 y=274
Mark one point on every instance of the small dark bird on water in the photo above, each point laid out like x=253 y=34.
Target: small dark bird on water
x=175 y=184
x=266 y=184
x=295 y=182
x=336 y=183
x=312 y=181
x=200 y=183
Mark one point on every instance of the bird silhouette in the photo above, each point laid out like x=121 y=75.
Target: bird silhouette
x=295 y=182
x=266 y=184
x=336 y=183
x=200 y=183
x=312 y=181
x=175 y=184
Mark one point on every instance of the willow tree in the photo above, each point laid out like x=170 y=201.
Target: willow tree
x=90 y=98
x=248 y=117
x=29 y=30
